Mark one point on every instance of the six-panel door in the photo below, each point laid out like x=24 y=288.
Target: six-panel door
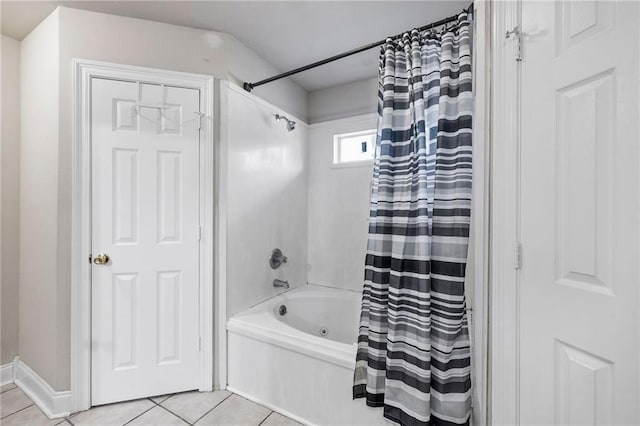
x=145 y=218
x=579 y=213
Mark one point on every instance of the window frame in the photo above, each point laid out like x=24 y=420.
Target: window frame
x=337 y=162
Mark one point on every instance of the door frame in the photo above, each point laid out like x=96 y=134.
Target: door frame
x=478 y=265
x=80 y=332
x=504 y=222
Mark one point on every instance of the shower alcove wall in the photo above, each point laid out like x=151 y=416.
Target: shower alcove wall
x=305 y=207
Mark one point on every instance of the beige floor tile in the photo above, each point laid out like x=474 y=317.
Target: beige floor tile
x=276 y=419
x=31 y=416
x=193 y=405
x=236 y=411
x=112 y=414
x=7 y=387
x=157 y=416
x=13 y=400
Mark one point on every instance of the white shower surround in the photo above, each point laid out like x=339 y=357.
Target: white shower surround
x=262 y=358
x=260 y=366
x=261 y=204
x=278 y=363
x=263 y=193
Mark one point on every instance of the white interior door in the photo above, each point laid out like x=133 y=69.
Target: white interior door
x=579 y=221
x=145 y=218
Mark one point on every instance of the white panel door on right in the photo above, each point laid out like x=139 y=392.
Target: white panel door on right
x=579 y=205
x=145 y=218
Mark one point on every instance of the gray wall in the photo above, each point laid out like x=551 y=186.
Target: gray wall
x=348 y=100
x=10 y=217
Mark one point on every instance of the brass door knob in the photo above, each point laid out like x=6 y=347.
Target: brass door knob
x=101 y=259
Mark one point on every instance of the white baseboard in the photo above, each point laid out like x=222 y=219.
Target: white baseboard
x=54 y=404
x=6 y=374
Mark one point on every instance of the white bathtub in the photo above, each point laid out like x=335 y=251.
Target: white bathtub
x=300 y=363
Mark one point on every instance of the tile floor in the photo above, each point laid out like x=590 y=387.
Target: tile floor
x=189 y=408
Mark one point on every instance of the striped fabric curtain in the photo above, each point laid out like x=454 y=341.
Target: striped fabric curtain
x=413 y=354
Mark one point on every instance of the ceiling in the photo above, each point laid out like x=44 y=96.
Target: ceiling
x=287 y=34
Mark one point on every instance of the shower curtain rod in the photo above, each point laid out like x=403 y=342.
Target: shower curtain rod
x=249 y=86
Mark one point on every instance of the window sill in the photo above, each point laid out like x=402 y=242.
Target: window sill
x=350 y=164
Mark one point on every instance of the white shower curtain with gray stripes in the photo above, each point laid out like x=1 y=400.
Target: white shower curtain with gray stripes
x=413 y=354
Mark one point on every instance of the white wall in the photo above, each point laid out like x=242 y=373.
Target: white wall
x=347 y=100
x=41 y=334
x=10 y=184
x=266 y=198
x=46 y=151
x=338 y=208
x=47 y=157
x=122 y=40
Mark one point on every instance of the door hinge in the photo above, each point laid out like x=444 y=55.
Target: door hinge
x=517 y=35
x=199 y=115
x=199 y=343
x=199 y=233
x=517 y=256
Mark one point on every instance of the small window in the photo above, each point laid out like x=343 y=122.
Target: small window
x=357 y=147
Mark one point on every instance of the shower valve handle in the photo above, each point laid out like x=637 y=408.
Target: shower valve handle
x=277 y=258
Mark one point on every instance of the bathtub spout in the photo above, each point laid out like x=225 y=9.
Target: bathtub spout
x=280 y=283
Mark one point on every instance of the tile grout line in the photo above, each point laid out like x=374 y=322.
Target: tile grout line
x=7 y=390
x=158 y=403
x=154 y=405
x=16 y=412
x=153 y=401
x=265 y=419
x=178 y=416
x=68 y=418
x=212 y=408
x=64 y=420
x=148 y=409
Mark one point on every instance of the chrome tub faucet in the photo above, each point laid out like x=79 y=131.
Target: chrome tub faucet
x=280 y=283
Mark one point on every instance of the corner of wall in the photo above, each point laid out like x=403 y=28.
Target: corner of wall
x=10 y=190
x=39 y=298
x=245 y=65
x=346 y=100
